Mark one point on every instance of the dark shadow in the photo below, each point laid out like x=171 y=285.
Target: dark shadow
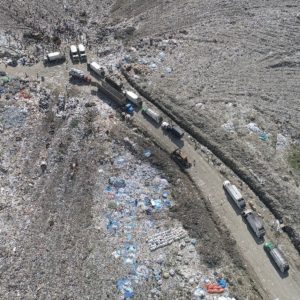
x=178 y=142
x=78 y=82
x=151 y=121
x=107 y=100
x=53 y=63
x=282 y=275
x=258 y=241
x=237 y=210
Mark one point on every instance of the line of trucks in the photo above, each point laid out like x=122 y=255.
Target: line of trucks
x=256 y=225
x=114 y=89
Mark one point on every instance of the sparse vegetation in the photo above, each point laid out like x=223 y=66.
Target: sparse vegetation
x=294 y=158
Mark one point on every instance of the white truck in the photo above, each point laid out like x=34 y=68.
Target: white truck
x=152 y=114
x=82 y=54
x=74 y=53
x=235 y=194
x=134 y=98
x=54 y=57
x=93 y=66
x=254 y=222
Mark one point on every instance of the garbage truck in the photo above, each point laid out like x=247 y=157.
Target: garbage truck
x=173 y=130
x=54 y=57
x=134 y=98
x=95 y=68
x=78 y=74
x=277 y=256
x=254 y=222
x=74 y=53
x=152 y=114
x=235 y=194
x=82 y=54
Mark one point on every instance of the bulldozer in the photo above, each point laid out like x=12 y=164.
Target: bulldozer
x=180 y=158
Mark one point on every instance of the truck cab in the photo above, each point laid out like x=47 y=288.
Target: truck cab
x=81 y=51
x=74 y=53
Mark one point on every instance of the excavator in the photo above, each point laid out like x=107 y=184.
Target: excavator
x=180 y=158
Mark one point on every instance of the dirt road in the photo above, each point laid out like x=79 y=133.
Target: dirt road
x=210 y=181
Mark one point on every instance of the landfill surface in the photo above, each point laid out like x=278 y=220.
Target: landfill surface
x=91 y=207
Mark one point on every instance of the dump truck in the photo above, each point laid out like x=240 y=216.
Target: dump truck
x=181 y=158
x=235 y=194
x=95 y=68
x=54 y=57
x=74 y=53
x=152 y=114
x=173 y=130
x=134 y=98
x=254 y=222
x=81 y=51
x=277 y=256
x=78 y=74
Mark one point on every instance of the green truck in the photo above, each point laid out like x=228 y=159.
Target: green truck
x=277 y=257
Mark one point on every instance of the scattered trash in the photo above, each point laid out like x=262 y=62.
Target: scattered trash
x=199 y=292
x=222 y=283
x=125 y=287
x=153 y=66
x=281 y=143
x=168 y=70
x=264 y=136
x=166 y=238
x=228 y=126
x=117 y=182
x=214 y=288
x=162 y=56
x=253 y=128
x=147 y=153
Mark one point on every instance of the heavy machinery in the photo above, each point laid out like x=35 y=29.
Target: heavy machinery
x=277 y=257
x=78 y=74
x=235 y=194
x=181 y=159
x=254 y=222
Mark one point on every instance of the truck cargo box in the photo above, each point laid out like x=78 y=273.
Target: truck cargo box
x=254 y=222
x=134 y=98
x=152 y=114
x=235 y=194
x=277 y=257
x=94 y=67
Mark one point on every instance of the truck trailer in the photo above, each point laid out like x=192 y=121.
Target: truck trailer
x=54 y=57
x=152 y=114
x=254 y=222
x=277 y=257
x=235 y=194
